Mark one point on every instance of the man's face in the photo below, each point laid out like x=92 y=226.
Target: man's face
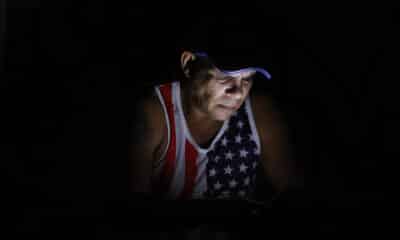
x=222 y=93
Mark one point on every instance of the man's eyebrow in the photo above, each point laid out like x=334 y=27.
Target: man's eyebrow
x=248 y=78
x=221 y=75
x=227 y=77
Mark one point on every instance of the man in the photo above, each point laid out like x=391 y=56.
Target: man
x=203 y=137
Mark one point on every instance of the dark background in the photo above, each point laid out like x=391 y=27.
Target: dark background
x=73 y=71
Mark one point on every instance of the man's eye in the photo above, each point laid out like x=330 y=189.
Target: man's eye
x=223 y=80
x=247 y=80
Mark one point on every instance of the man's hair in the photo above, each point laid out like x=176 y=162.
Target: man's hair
x=199 y=75
x=198 y=69
x=199 y=66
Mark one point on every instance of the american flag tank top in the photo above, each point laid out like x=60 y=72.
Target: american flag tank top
x=226 y=169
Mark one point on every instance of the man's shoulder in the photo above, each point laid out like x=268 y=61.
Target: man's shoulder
x=151 y=105
x=266 y=111
x=262 y=102
x=149 y=117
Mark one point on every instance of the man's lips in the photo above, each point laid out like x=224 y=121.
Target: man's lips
x=229 y=107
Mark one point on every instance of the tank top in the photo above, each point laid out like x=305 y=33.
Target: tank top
x=225 y=169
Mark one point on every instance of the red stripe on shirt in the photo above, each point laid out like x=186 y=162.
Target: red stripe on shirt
x=190 y=170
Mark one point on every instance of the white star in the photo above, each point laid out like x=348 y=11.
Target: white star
x=243 y=167
x=217 y=186
x=232 y=183
x=228 y=170
x=224 y=141
x=213 y=172
x=256 y=151
x=243 y=153
x=247 y=181
x=229 y=155
x=216 y=158
x=240 y=124
x=241 y=193
x=238 y=139
x=254 y=164
x=252 y=137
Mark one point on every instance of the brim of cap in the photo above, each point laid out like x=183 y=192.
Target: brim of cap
x=263 y=72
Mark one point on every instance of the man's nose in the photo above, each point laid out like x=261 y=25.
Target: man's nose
x=235 y=90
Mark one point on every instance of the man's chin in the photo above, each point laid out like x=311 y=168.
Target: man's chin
x=222 y=113
x=223 y=116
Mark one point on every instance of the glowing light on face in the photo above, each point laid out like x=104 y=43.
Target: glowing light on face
x=226 y=92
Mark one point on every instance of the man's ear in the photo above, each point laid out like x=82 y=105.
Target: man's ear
x=186 y=57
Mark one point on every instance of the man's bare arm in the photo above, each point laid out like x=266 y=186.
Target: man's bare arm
x=276 y=151
x=146 y=138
